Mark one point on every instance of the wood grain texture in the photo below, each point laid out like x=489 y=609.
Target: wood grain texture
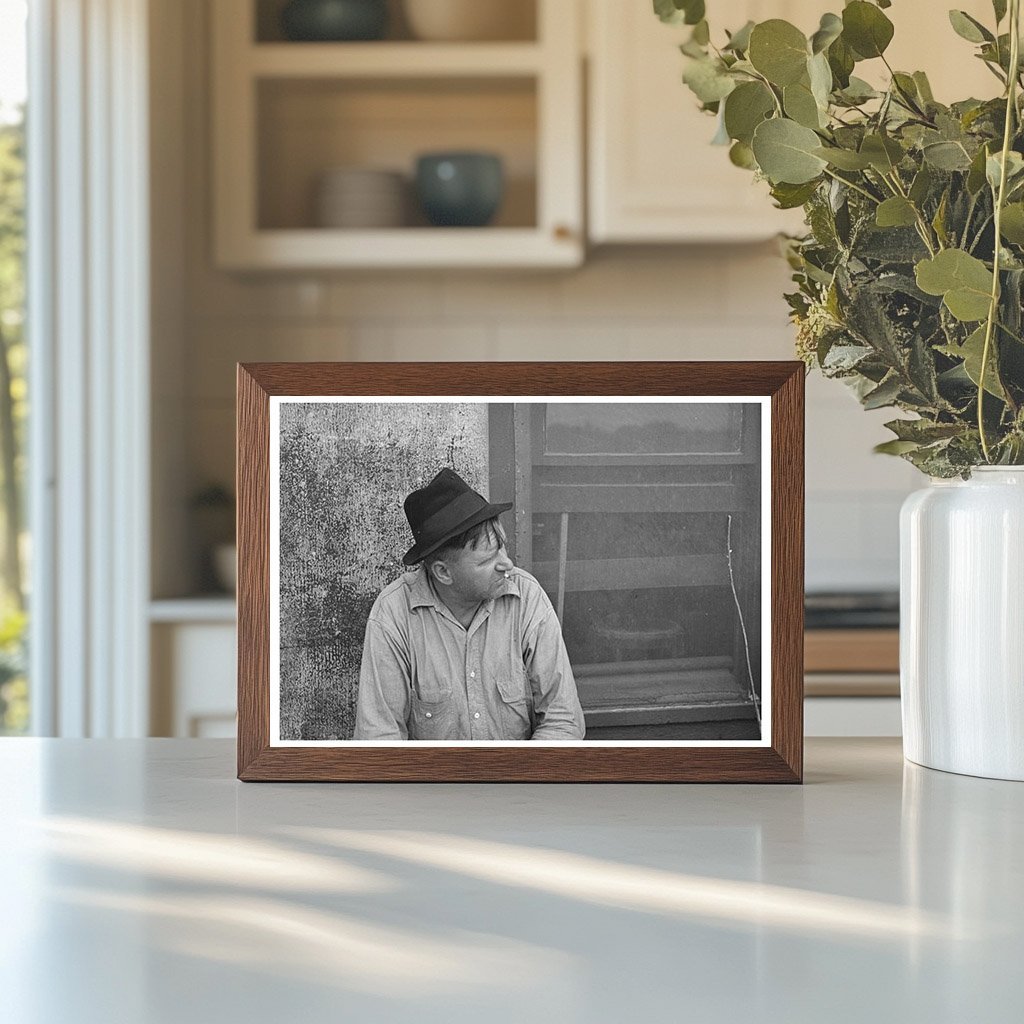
x=252 y=487
x=409 y=762
x=787 y=568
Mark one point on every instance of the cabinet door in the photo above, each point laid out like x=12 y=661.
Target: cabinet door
x=653 y=174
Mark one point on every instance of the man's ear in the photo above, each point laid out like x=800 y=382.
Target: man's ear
x=440 y=572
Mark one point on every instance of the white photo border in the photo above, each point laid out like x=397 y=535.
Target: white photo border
x=763 y=401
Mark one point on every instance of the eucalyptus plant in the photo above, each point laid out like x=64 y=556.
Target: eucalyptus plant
x=910 y=278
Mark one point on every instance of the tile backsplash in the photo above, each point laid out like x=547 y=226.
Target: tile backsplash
x=715 y=302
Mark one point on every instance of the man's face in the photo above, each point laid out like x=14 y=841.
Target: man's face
x=477 y=574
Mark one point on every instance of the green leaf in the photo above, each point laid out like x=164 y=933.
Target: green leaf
x=896 y=212
x=701 y=33
x=844 y=159
x=999 y=7
x=885 y=394
x=971 y=352
x=707 y=80
x=963 y=281
x=921 y=185
x=968 y=28
x=939 y=220
x=676 y=12
x=883 y=153
x=785 y=152
x=895 y=447
x=789 y=197
x=820 y=75
x=923 y=431
x=778 y=50
x=694 y=11
x=994 y=167
x=946 y=156
x=829 y=30
x=997 y=53
x=906 y=88
x=1011 y=225
x=858 y=91
x=745 y=108
x=800 y=105
x=739 y=41
x=866 y=29
x=924 y=89
x=841 y=60
x=742 y=155
x=976 y=174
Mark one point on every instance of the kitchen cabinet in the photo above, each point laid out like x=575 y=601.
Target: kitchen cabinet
x=653 y=175
x=286 y=113
x=193 y=671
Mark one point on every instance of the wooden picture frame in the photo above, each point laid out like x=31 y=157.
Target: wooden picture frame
x=777 y=386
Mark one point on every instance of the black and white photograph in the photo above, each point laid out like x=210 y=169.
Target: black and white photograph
x=453 y=570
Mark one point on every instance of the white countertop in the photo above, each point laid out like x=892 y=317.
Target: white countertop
x=143 y=884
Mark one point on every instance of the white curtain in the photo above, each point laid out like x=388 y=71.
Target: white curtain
x=88 y=319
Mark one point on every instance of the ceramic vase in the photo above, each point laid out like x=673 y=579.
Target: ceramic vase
x=962 y=624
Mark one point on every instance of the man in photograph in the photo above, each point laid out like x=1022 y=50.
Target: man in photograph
x=465 y=646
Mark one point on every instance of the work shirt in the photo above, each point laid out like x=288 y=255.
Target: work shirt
x=425 y=676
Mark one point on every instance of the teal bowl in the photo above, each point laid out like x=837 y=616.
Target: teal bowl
x=460 y=189
x=333 y=21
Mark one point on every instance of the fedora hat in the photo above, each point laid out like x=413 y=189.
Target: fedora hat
x=443 y=509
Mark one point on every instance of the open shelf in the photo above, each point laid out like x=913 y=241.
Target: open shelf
x=393 y=60
x=308 y=127
x=518 y=23
x=288 y=113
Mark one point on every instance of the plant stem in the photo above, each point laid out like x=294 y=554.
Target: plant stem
x=970 y=214
x=981 y=231
x=1012 y=334
x=1011 y=109
x=771 y=90
x=855 y=187
x=922 y=225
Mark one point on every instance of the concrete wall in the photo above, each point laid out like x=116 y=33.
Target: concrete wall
x=345 y=471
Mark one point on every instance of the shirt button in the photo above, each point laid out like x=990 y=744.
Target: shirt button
x=430 y=714
x=477 y=715
x=472 y=675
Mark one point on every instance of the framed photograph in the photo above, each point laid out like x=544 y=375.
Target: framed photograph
x=513 y=572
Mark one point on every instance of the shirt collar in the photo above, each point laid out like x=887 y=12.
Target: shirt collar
x=421 y=594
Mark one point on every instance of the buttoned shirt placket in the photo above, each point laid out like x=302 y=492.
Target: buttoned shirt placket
x=473 y=672
x=472 y=664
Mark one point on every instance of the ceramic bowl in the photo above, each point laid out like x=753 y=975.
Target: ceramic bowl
x=334 y=20
x=361 y=197
x=460 y=189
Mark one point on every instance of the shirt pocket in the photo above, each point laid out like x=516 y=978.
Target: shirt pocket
x=433 y=719
x=516 y=705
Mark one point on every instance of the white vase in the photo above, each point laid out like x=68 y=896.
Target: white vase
x=962 y=624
